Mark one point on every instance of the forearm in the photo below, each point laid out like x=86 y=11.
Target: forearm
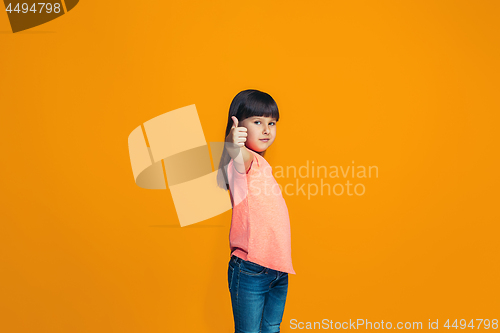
x=241 y=157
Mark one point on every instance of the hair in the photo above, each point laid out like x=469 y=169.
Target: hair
x=247 y=103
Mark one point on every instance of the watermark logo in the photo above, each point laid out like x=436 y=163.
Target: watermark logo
x=171 y=149
x=28 y=14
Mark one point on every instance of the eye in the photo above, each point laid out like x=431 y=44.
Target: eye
x=272 y=122
x=257 y=121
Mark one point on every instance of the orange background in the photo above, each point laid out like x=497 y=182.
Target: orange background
x=409 y=87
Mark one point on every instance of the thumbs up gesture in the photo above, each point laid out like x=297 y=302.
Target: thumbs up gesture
x=237 y=135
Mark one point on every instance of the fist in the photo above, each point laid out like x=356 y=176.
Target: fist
x=237 y=135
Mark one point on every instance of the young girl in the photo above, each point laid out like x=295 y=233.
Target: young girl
x=259 y=236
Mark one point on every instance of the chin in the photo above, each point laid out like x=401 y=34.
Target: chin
x=257 y=149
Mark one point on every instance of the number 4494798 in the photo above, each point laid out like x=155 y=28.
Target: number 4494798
x=24 y=8
x=482 y=323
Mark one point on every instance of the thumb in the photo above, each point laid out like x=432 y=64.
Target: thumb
x=235 y=121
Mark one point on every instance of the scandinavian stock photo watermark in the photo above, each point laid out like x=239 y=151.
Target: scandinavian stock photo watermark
x=366 y=324
x=312 y=180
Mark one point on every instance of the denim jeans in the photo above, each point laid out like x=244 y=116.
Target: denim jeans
x=258 y=296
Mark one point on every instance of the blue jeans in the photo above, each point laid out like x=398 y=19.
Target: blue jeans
x=258 y=296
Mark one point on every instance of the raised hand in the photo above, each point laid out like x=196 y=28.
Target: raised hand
x=237 y=135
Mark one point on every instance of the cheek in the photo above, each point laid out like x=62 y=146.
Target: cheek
x=251 y=134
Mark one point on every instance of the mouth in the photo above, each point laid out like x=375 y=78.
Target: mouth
x=264 y=140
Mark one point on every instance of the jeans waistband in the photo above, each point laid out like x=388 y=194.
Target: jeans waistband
x=236 y=259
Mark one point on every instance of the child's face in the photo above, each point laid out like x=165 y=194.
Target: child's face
x=259 y=128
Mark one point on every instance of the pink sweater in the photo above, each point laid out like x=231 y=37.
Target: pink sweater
x=260 y=225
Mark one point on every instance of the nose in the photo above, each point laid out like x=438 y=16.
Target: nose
x=266 y=129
